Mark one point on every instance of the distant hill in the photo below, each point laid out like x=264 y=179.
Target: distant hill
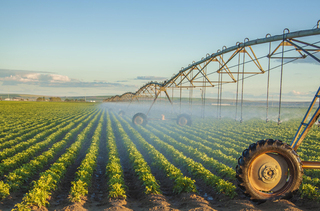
x=34 y=97
x=24 y=96
x=210 y=101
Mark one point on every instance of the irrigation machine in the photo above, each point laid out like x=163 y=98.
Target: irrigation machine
x=268 y=169
x=230 y=65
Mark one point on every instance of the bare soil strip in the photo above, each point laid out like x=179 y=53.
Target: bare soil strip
x=97 y=190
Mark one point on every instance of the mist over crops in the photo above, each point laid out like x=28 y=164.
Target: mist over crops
x=248 y=111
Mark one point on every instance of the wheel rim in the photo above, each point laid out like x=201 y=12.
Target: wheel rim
x=183 y=121
x=138 y=120
x=269 y=173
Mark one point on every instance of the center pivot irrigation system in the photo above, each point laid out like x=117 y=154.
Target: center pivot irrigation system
x=230 y=65
x=268 y=169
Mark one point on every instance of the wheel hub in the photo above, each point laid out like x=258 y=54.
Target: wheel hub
x=138 y=120
x=268 y=173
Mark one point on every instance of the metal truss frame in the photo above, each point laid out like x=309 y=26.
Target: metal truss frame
x=196 y=76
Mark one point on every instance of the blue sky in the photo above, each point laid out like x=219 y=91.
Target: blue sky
x=72 y=48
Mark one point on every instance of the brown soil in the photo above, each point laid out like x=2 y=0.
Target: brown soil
x=99 y=183
x=182 y=202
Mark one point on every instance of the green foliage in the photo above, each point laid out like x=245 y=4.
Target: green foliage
x=114 y=170
x=140 y=166
x=42 y=188
x=16 y=179
x=84 y=174
x=4 y=189
x=181 y=183
x=194 y=168
x=79 y=188
x=310 y=192
x=210 y=158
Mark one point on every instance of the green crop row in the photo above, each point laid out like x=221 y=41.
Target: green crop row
x=27 y=135
x=6 y=153
x=35 y=127
x=236 y=142
x=181 y=183
x=16 y=179
x=84 y=173
x=212 y=159
x=196 y=169
x=49 y=180
x=22 y=157
x=18 y=131
x=114 y=171
x=24 y=143
x=140 y=166
x=16 y=116
x=9 y=129
x=224 y=145
x=230 y=161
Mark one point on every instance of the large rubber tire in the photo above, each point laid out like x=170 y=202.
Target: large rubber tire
x=140 y=119
x=184 y=119
x=269 y=170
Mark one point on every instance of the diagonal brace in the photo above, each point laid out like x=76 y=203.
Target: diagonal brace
x=297 y=46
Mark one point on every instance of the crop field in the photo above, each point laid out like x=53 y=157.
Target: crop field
x=84 y=156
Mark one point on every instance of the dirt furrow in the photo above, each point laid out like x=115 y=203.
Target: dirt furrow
x=97 y=190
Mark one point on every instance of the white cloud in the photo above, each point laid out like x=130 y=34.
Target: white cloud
x=294 y=92
x=59 y=78
x=21 y=78
x=33 y=76
x=44 y=79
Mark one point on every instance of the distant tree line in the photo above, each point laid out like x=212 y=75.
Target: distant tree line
x=58 y=99
x=41 y=99
x=54 y=99
x=74 y=100
x=51 y=99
